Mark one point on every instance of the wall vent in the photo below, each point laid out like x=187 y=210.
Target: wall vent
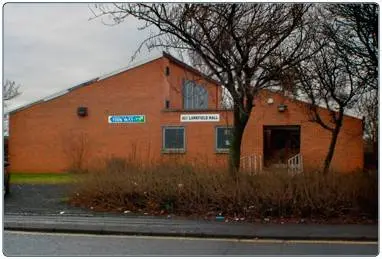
x=82 y=111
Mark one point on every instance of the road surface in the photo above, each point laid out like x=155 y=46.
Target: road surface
x=17 y=243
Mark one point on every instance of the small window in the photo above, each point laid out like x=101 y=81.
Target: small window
x=173 y=139
x=194 y=96
x=223 y=138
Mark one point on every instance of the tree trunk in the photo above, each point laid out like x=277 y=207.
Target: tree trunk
x=240 y=120
x=375 y=146
x=333 y=142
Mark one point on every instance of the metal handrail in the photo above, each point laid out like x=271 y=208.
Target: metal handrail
x=295 y=164
x=252 y=163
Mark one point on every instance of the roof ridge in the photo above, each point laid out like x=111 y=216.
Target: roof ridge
x=85 y=83
x=113 y=73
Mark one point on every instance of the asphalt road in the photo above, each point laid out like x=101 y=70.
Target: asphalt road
x=54 y=244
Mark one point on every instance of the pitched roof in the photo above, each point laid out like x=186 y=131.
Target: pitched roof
x=118 y=71
x=132 y=66
x=348 y=113
x=188 y=67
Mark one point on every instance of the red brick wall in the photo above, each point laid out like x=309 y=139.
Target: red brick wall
x=174 y=83
x=314 y=139
x=41 y=135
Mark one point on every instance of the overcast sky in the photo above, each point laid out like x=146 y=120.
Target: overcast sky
x=49 y=47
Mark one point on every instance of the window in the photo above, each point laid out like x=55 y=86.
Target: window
x=223 y=138
x=194 y=96
x=173 y=139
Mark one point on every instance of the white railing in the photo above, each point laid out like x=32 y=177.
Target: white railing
x=252 y=164
x=295 y=164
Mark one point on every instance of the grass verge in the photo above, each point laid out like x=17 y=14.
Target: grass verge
x=42 y=178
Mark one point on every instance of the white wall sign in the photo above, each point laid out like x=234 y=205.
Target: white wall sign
x=199 y=117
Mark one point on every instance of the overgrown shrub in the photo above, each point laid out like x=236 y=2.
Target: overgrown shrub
x=186 y=190
x=76 y=149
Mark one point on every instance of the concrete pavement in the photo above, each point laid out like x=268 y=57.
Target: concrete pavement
x=127 y=225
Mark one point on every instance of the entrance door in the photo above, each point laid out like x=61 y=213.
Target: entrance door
x=280 y=144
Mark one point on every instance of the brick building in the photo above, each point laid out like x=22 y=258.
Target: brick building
x=164 y=109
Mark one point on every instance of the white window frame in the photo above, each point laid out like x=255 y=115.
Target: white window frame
x=173 y=150
x=221 y=150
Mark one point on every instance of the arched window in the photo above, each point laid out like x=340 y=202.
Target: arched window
x=195 y=97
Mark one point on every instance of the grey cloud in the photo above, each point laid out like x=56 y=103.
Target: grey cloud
x=50 y=47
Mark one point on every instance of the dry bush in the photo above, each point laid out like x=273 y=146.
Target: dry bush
x=76 y=150
x=184 y=189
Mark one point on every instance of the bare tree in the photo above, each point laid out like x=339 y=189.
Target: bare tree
x=333 y=79
x=243 y=46
x=10 y=90
x=76 y=148
x=356 y=32
x=368 y=108
x=357 y=35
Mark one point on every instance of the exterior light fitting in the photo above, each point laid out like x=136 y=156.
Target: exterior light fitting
x=282 y=107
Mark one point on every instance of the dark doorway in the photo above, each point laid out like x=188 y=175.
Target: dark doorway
x=280 y=144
